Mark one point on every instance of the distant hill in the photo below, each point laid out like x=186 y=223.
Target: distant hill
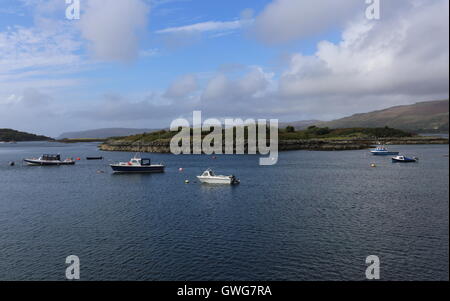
x=422 y=117
x=8 y=135
x=103 y=133
x=299 y=125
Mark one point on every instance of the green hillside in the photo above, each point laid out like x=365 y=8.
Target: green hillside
x=422 y=117
x=8 y=135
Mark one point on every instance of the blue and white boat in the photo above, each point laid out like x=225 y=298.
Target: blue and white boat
x=382 y=151
x=403 y=159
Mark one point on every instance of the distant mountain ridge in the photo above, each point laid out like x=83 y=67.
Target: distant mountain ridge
x=103 y=133
x=299 y=125
x=421 y=117
x=9 y=135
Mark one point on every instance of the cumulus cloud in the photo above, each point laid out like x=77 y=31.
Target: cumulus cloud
x=286 y=20
x=113 y=28
x=182 y=87
x=252 y=84
x=406 y=55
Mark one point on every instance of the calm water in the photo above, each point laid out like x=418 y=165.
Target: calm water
x=314 y=216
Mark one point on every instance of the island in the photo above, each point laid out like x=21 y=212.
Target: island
x=313 y=138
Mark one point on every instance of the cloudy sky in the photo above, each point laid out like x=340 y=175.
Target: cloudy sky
x=143 y=63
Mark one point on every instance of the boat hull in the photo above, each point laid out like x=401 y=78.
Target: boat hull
x=404 y=160
x=138 y=169
x=376 y=153
x=47 y=163
x=218 y=180
x=94 y=158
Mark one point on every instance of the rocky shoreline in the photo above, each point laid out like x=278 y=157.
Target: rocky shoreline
x=284 y=145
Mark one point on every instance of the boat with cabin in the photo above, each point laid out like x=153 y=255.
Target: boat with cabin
x=381 y=150
x=49 y=160
x=137 y=165
x=209 y=177
x=403 y=159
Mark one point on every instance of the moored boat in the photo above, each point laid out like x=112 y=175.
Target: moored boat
x=49 y=160
x=137 y=165
x=403 y=159
x=94 y=158
x=382 y=151
x=209 y=177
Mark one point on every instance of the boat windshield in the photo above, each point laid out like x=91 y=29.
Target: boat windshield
x=208 y=173
x=145 y=162
x=51 y=157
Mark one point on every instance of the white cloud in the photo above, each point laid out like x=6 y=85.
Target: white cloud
x=113 y=28
x=253 y=84
x=217 y=87
x=402 y=54
x=286 y=20
x=182 y=87
x=22 y=47
x=206 y=27
x=41 y=57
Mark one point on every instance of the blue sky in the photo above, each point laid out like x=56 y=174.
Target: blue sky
x=143 y=63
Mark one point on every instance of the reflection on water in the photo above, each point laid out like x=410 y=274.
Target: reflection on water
x=313 y=216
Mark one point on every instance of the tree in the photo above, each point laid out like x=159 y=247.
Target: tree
x=290 y=129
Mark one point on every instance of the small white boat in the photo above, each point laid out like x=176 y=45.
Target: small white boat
x=209 y=177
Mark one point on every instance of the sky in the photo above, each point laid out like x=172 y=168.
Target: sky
x=144 y=63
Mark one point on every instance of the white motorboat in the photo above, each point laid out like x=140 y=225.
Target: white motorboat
x=49 y=160
x=209 y=177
